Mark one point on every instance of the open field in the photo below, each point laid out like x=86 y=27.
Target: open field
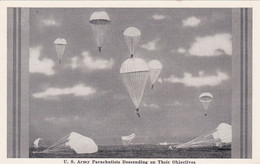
x=142 y=151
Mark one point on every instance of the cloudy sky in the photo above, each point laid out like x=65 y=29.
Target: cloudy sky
x=85 y=93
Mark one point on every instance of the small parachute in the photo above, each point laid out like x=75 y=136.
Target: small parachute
x=219 y=137
x=73 y=143
x=60 y=45
x=99 y=22
x=38 y=143
x=134 y=73
x=126 y=140
x=132 y=36
x=205 y=99
x=155 y=70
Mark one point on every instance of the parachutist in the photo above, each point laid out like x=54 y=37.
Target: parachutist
x=99 y=49
x=152 y=87
x=137 y=112
x=132 y=56
x=59 y=61
x=205 y=114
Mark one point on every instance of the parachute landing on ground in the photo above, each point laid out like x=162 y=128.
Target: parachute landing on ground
x=134 y=73
x=132 y=36
x=73 y=143
x=126 y=140
x=155 y=70
x=60 y=45
x=219 y=137
x=38 y=143
x=99 y=22
x=205 y=98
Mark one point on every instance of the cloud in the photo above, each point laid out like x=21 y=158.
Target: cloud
x=199 y=81
x=61 y=120
x=181 y=50
x=43 y=66
x=154 y=106
x=79 y=90
x=212 y=45
x=159 y=17
x=152 y=45
x=49 y=22
x=191 y=22
x=90 y=63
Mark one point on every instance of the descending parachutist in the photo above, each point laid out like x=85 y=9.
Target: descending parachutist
x=59 y=61
x=137 y=112
x=152 y=87
x=99 y=49
x=132 y=56
x=205 y=114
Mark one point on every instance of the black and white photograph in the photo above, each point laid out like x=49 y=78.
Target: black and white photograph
x=129 y=83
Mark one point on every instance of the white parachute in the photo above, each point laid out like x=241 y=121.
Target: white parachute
x=126 y=140
x=132 y=36
x=219 y=137
x=155 y=70
x=37 y=143
x=99 y=22
x=205 y=99
x=60 y=45
x=134 y=73
x=73 y=142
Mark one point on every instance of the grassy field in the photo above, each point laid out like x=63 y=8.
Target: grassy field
x=142 y=151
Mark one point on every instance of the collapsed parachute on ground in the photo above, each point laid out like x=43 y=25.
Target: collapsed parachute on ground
x=126 y=140
x=134 y=73
x=220 y=136
x=132 y=36
x=73 y=143
x=38 y=143
x=205 y=99
x=99 y=22
x=155 y=70
x=60 y=45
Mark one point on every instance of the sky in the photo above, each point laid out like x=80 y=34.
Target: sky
x=85 y=94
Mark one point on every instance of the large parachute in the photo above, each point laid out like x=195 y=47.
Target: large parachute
x=73 y=142
x=155 y=70
x=60 y=45
x=99 y=22
x=126 y=140
x=132 y=36
x=134 y=73
x=205 y=99
x=220 y=136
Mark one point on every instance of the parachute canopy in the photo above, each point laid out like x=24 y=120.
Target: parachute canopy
x=132 y=36
x=205 y=99
x=99 y=22
x=134 y=73
x=36 y=143
x=126 y=140
x=73 y=142
x=60 y=45
x=220 y=136
x=155 y=70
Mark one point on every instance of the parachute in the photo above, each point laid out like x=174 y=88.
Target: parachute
x=155 y=70
x=126 y=140
x=60 y=45
x=134 y=73
x=205 y=99
x=36 y=143
x=99 y=22
x=219 y=137
x=73 y=142
x=132 y=36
